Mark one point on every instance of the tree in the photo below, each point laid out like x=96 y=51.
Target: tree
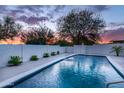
x=117 y=50
x=64 y=43
x=37 y=36
x=81 y=26
x=9 y=29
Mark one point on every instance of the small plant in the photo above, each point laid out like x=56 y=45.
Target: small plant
x=14 y=61
x=53 y=53
x=117 y=50
x=34 y=58
x=46 y=55
x=58 y=53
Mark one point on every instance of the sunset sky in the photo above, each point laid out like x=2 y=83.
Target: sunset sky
x=33 y=15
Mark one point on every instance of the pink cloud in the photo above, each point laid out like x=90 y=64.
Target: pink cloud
x=111 y=35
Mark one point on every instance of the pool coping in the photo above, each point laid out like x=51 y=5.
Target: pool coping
x=13 y=80
x=116 y=65
x=25 y=75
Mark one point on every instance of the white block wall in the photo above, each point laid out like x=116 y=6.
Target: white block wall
x=6 y=51
x=26 y=51
x=69 y=49
x=80 y=49
x=97 y=49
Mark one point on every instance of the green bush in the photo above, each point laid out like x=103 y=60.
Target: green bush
x=14 y=61
x=46 y=55
x=58 y=53
x=117 y=50
x=53 y=53
x=34 y=58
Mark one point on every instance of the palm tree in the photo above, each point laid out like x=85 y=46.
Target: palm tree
x=117 y=50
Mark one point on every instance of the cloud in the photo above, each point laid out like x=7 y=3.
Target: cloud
x=110 y=35
x=50 y=15
x=59 y=7
x=47 y=10
x=31 y=8
x=100 y=8
x=32 y=19
x=26 y=13
x=18 y=11
x=56 y=9
x=15 y=13
x=10 y=10
x=3 y=8
x=116 y=24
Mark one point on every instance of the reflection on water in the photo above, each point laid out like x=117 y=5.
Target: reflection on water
x=76 y=72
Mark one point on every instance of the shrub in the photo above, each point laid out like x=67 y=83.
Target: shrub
x=117 y=50
x=14 y=61
x=46 y=55
x=58 y=53
x=53 y=53
x=34 y=58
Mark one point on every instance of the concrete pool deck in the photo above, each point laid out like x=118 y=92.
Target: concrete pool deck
x=118 y=62
x=8 y=75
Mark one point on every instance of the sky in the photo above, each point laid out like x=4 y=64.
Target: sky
x=33 y=15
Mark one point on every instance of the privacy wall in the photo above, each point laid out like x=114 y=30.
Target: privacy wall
x=104 y=49
x=25 y=51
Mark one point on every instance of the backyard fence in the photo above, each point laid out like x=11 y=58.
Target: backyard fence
x=26 y=51
x=104 y=49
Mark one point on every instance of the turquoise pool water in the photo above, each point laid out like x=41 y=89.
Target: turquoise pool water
x=75 y=72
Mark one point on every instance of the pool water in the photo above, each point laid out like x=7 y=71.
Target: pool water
x=75 y=72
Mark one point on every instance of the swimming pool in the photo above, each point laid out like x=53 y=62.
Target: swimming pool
x=79 y=71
